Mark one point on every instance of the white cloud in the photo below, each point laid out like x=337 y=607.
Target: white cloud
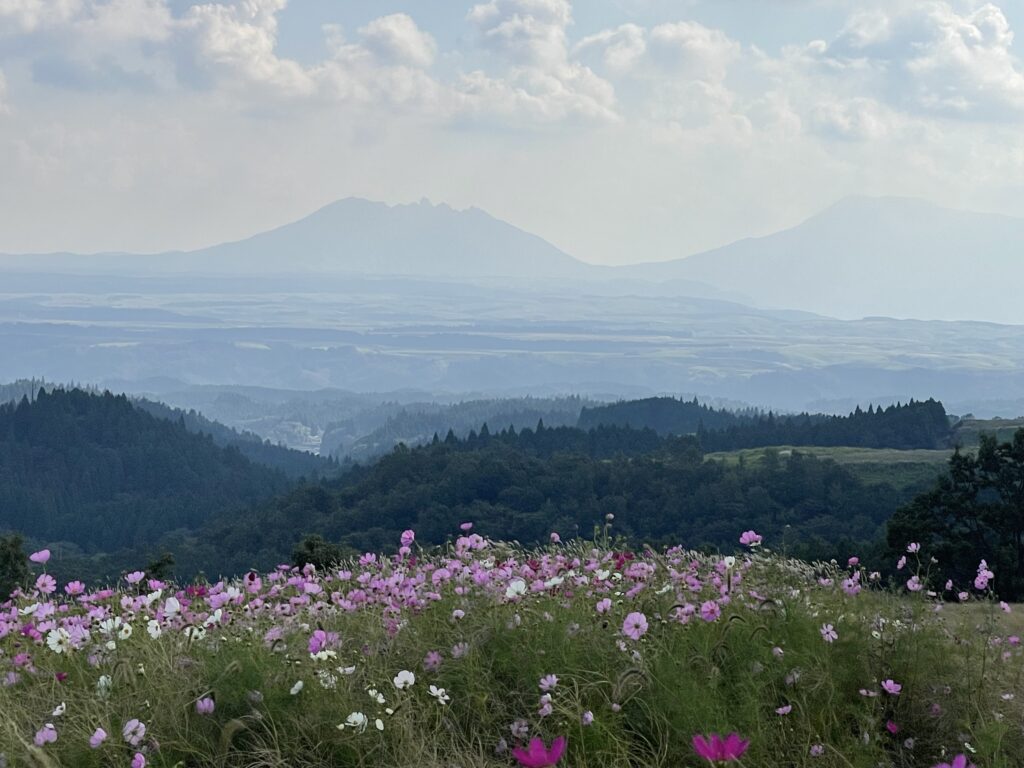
x=128 y=20
x=622 y=48
x=966 y=65
x=530 y=32
x=866 y=28
x=700 y=52
x=856 y=118
x=240 y=39
x=543 y=82
x=20 y=16
x=396 y=39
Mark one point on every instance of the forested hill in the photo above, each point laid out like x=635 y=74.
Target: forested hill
x=665 y=415
x=917 y=424
x=525 y=485
x=101 y=474
x=295 y=464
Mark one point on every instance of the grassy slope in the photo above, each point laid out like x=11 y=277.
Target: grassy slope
x=901 y=469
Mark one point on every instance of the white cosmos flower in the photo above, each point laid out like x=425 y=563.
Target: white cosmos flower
x=297 y=688
x=376 y=695
x=103 y=686
x=59 y=640
x=516 y=588
x=729 y=561
x=346 y=670
x=440 y=694
x=60 y=710
x=153 y=628
x=125 y=631
x=404 y=679
x=355 y=720
x=172 y=607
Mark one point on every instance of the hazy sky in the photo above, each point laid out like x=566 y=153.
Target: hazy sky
x=621 y=130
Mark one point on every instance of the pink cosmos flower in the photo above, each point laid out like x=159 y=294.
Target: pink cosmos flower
x=635 y=625
x=604 y=605
x=73 y=588
x=710 y=610
x=432 y=661
x=205 y=706
x=901 y=562
x=408 y=537
x=750 y=538
x=45 y=735
x=817 y=750
x=548 y=683
x=538 y=756
x=135 y=577
x=960 y=761
x=97 y=738
x=466 y=527
x=587 y=718
x=716 y=749
x=139 y=761
x=892 y=727
x=41 y=557
x=892 y=687
x=784 y=710
x=913 y=547
x=555 y=538
x=134 y=732
x=828 y=633
x=853 y=561
x=914 y=584
x=46 y=584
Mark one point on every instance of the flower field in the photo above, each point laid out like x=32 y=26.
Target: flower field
x=486 y=654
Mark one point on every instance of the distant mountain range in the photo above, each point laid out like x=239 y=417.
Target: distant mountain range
x=862 y=257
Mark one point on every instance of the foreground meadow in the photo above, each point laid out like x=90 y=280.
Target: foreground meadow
x=488 y=654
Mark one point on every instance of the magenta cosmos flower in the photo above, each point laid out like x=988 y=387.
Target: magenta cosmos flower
x=538 y=756
x=718 y=750
x=960 y=761
x=635 y=625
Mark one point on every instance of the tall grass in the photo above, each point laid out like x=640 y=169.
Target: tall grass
x=487 y=622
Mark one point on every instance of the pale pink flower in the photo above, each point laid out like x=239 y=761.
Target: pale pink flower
x=635 y=625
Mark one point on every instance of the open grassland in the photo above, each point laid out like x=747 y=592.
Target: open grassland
x=968 y=431
x=901 y=469
x=459 y=656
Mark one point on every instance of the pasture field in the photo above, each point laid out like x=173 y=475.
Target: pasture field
x=914 y=469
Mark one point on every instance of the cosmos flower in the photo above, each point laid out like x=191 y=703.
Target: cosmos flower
x=716 y=749
x=539 y=756
x=404 y=679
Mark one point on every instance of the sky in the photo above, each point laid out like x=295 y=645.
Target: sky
x=620 y=130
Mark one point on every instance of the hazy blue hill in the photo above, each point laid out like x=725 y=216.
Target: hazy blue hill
x=887 y=256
